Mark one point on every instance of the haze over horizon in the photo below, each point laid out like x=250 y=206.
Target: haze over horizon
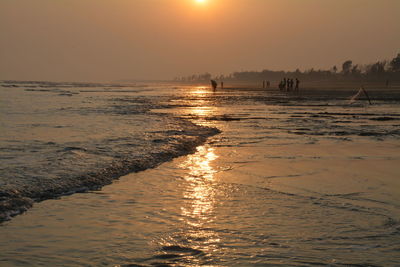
x=99 y=40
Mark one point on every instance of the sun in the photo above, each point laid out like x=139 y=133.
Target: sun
x=201 y=1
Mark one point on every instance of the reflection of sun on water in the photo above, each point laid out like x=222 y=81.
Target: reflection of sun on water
x=199 y=164
x=199 y=196
x=199 y=111
x=199 y=185
x=201 y=91
x=200 y=101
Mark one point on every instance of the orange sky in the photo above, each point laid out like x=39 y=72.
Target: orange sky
x=104 y=40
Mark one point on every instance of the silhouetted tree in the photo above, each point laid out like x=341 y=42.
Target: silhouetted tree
x=205 y=77
x=379 y=71
x=346 y=67
x=395 y=63
x=355 y=70
x=376 y=69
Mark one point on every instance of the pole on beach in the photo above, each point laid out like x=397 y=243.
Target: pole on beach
x=366 y=94
x=362 y=90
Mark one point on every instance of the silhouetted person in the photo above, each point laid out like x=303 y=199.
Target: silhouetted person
x=297 y=84
x=214 y=84
x=268 y=84
x=222 y=85
x=284 y=84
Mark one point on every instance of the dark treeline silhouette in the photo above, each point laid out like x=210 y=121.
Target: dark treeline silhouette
x=386 y=71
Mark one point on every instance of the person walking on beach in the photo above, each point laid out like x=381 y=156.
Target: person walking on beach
x=289 y=84
x=282 y=85
x=297 y=85
x=222 y=85
x=214 y=85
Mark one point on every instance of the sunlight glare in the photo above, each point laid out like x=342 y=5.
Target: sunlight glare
x=201 y=1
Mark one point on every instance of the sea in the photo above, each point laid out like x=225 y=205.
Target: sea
x=168 y=174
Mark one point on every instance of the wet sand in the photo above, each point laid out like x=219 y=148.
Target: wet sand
x=290 y=181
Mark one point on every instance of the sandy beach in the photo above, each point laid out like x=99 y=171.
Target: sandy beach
x=290 y=180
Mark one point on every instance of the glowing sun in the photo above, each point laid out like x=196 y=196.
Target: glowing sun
x=201 y=1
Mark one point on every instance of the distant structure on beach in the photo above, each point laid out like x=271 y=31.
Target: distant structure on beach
x=359 y=93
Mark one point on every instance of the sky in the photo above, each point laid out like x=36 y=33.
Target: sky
x=110 y=40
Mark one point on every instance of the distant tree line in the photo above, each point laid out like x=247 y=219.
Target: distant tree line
x=386 y=70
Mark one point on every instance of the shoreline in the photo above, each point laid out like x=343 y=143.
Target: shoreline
x=14 y=202
x=312 y=175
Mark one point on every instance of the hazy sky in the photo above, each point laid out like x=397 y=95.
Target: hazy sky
x=104 y=40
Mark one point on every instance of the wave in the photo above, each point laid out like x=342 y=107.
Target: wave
x=105 y=137
x=18 y=198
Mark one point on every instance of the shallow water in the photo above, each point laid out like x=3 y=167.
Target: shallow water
x=290 y=181
x=59 y=138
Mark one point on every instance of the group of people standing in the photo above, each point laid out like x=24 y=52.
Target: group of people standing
x=289 y=84
x=284 y=85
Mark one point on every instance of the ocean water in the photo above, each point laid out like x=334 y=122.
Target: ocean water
x=291 y=180
x=59 y=138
